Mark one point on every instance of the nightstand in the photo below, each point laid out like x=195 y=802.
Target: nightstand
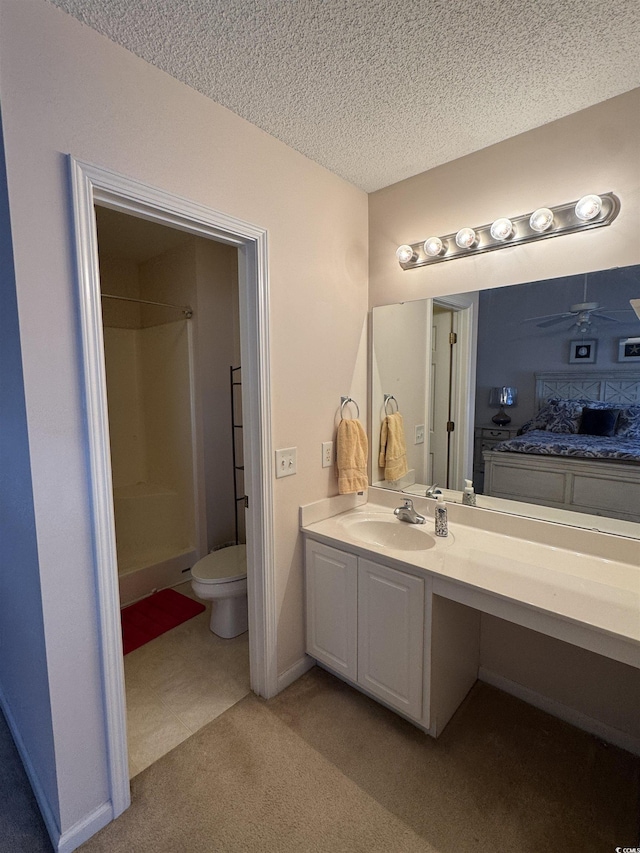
x=485 y=438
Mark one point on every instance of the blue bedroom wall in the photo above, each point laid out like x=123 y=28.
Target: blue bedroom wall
x=24 y=688
x=512 y=348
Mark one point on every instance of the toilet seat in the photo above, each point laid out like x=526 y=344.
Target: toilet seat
x=222 y=566
x=221 y=578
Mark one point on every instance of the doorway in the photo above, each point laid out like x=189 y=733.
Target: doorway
x=95 y=186
x=451 y=384
x=171 y=334
x=440 y=410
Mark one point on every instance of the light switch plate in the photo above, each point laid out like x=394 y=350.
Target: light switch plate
x=286 y=462
x=419 y=434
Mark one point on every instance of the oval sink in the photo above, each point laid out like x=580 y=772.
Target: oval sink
x=390 y=533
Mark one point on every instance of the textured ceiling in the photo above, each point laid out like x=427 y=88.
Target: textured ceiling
x=379 y=90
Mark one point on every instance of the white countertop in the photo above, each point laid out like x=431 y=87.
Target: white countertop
x=589 y=590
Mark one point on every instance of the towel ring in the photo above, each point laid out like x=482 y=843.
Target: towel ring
x=387 y=399
x=343 y=403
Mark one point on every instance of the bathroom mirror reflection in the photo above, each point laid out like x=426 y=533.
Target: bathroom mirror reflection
x=469 y=371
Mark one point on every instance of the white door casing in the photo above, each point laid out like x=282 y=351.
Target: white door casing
x=91 y=185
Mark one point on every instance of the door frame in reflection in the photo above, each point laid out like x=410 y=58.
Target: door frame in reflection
x=461 y=397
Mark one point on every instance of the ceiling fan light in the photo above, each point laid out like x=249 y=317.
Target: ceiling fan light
x=405 y=254
x=588 y=207
x=502 y=229
x=466 y=238
x=541 y=219
x=434 y=247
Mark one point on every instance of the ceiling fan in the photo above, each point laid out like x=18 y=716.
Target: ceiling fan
x=581 y=314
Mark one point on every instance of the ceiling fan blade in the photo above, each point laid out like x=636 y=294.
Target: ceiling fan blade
x=604 y=317
x=547 y=317
x=560 y=318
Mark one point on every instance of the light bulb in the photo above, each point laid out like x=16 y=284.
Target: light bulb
x=405 y=254
x=588 y=207
x=433 y=246
x=541 y=219
x=466 y=238
x=502 y=229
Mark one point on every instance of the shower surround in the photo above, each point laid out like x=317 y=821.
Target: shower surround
x=151 y=422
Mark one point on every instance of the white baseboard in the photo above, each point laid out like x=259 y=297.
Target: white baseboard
x=294 y=672
x=570 y=715
x=83 y=830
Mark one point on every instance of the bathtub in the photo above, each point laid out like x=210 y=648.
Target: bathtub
x=153 y=552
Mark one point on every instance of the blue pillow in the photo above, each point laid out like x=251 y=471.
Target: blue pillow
x=599 y=421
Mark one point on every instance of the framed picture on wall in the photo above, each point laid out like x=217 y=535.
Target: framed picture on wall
x=629 y=349
x=582 y=352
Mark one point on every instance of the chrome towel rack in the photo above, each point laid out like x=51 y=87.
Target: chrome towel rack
x=387 y=401
x=343 y=402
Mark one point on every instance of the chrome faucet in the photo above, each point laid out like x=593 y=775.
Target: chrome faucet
x=432 y=491
x=406 y=512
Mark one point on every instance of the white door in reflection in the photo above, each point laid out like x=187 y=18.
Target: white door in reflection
x=440 y=409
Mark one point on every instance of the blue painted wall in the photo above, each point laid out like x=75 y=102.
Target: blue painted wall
x=511 y=351
x=24 y=687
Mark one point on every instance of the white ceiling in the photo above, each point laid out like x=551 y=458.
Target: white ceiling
x=380 y=90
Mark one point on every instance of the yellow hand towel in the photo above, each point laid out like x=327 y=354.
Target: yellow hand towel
x=393 y=447
x=352 y=457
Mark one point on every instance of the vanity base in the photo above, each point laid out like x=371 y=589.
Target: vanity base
x=385 y=633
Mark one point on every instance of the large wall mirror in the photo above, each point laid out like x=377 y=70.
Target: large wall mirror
x=468 y=372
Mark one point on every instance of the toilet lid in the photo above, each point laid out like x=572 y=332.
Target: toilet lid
x=227 y=564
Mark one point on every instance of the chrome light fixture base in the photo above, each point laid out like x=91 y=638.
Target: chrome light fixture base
x=564 y=221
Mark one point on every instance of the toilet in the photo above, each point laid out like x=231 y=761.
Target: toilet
x=221 y=577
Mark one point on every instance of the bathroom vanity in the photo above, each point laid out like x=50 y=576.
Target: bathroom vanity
x=396 y=611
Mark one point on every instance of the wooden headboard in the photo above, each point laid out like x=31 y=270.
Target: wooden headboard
x=613 y=386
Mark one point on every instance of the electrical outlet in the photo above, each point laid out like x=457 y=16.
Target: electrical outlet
x=286 y=462
x=327 y=454
x=419 y=434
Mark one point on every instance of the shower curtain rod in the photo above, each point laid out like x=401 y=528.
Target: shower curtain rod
x=187 y=310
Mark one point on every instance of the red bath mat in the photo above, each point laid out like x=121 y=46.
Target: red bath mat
x=147 y=619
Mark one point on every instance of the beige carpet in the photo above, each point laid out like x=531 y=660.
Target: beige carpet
x=323 y=768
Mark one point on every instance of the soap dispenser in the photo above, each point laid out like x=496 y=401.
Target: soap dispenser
x=442 y=525
x=468 y=495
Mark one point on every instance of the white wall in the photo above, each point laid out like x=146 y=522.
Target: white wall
x=217 y=326
x=401 y=363
x=595 y=150
x=65 y=89
x=602 y=689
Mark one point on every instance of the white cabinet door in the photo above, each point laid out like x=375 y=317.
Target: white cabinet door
x=391 y=636
x=332 y=599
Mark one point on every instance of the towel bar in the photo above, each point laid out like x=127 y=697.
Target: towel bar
x=387 y=399
x=343 y=403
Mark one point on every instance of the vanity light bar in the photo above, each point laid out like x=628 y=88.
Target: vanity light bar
x=590 y=211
